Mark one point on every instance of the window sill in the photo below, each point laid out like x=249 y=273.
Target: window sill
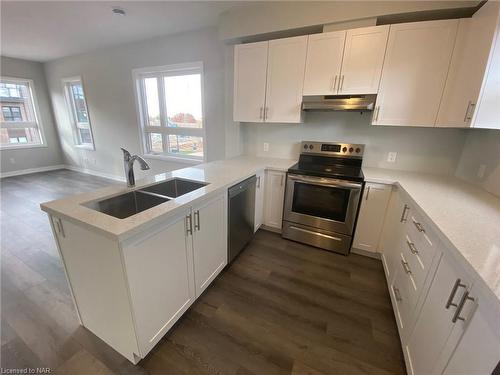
x=20 y=147
x=86 y=147
x=174 y=159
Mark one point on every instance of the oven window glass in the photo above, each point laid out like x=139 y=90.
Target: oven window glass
x=326 y=202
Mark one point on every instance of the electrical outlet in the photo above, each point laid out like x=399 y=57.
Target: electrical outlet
x=266 y=147
x=481 y=170
x=391 y=157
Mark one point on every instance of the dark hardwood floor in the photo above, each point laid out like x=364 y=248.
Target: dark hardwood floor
x=280 y=308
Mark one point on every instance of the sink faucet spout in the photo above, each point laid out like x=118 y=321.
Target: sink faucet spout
x=128 y=163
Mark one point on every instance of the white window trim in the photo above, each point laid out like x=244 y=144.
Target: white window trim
x=23 y=125
x=73 y=117
x=172 y=69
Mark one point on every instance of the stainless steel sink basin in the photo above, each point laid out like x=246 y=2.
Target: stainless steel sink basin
x=128 y=204
x=175 y=187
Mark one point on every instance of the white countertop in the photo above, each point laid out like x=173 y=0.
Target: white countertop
x=219 y=174
x=467 y=216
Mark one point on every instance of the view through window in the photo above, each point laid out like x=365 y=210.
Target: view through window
x=172 y=111
x=79 y=113
x=19 y=126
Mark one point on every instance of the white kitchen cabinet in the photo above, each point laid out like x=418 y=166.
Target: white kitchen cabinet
x=250 y=71
x=285 y=79
x=159 y=268
x=413 y=77
x=471 y=54
x=259 y=200
x=432 y=332
x=363 y=60
x=209 y=241
x=371 y=216
x=323 y=63
x=275 y=195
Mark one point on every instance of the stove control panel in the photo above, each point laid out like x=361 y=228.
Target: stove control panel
x=333 y=149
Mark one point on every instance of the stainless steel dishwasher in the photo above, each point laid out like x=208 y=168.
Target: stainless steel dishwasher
x=241 y=216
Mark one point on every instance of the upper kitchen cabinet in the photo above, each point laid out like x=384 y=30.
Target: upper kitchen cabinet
x=250 y=70
x=468 y=70
x=285 y=79
x=363 y=60
x=414 y=74
x=324 y=63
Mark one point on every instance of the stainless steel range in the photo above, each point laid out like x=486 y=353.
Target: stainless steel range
x=322 y=196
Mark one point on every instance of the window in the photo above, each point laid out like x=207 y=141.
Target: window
x=171 y=111
x=75 y=98
x=19 y=124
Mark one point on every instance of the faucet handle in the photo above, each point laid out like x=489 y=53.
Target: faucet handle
x=126 y=154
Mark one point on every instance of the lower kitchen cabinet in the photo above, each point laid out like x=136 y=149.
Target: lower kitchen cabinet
x=275 y=195
x=371 y=216
x=159 y=269
x=209 y=241
x=259 y=200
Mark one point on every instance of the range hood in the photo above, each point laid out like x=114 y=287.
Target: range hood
x=339 y=103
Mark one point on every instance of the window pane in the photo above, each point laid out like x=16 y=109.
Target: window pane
x=156 y=142
x=85 y=136
x=183 y=101
x=79 y=102
x=185 y=145
x=152 y=101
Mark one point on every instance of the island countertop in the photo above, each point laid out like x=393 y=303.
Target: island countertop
x=219 y=175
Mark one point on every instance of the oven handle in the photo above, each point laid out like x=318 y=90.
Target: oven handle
x=325 y=181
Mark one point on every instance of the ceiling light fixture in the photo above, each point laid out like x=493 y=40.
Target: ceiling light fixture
x=119 y=11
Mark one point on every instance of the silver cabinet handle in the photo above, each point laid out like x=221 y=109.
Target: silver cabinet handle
x=258 y=182
x=261 y=113
x=60 y=228
x=266 y=113
x=458 y=284
x=419 y=226
x=189 y=225
x=397 y=294
x=197 y=220
x=412 y=247
x=469 y=111
x=406 y=267
x=367 y=193
x=460 y=307
x=404 y=217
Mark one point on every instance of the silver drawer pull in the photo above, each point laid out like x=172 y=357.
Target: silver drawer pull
x=189 y=225
x=404 y=216
x=460 y=307
x=315 y=233
x=397 y=294
x=412 y=247
x=406 y=267
x=419 y=226
x=458 y=284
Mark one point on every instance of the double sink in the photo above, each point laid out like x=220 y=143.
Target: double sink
x=131 y=203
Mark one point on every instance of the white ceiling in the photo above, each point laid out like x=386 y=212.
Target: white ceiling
x=44 y=30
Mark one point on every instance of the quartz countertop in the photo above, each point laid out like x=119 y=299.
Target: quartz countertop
x=467 y=217
x=218 y=174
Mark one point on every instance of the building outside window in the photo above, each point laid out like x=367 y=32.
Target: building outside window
x=170 y=108
x=19 y=121
x=75 y=98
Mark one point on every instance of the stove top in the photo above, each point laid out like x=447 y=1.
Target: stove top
x=333 y=160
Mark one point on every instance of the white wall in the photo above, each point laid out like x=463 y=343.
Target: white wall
x=482 y=147
x=27 y=158
x=107 y=79
x=419 y=149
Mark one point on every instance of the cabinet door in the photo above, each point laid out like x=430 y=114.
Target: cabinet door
x=478 y=351
x=371 y=216
x=323 y=62
x=404 y=294
x=159 y=267
x=250 y=69
x=363 y=60
x=468 y=66
x=259 y=200
x=285 y=79
x=209 y=241
x=434 y=325
x=275 y=194
x=414 y=73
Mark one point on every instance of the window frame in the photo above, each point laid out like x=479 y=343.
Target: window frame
x=71 y=105
x=160 y=72
x=36 y=124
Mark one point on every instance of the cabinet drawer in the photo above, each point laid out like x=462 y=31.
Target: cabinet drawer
x=419 y=258
x=405 y=294
x=422 y=242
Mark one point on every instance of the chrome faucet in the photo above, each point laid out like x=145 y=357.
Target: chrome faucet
x=128 y=163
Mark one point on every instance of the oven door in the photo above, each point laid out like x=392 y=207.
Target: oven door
x=322 y=203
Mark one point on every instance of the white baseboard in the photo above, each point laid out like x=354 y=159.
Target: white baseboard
x=94 y=173
x=32 y=170
x=365 y=253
